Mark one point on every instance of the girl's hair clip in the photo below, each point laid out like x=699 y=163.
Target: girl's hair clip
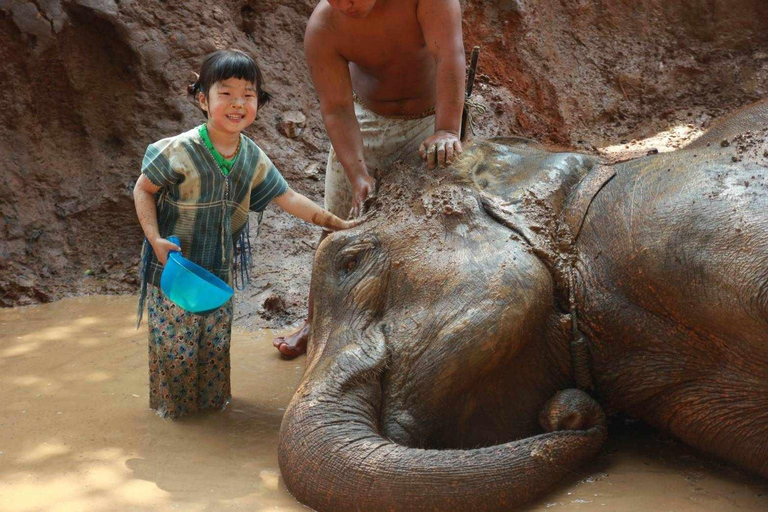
x=194 y=87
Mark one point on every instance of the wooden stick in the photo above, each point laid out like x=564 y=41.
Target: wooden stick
x=472 y=69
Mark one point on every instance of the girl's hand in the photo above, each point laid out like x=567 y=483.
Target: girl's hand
x=162 y=247
x=347 y=224
x=330 y=222
x=301 y=207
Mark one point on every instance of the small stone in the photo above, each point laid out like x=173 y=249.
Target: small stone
x=291 y=123
x=725 y=143
x=514 y=6
x=653 y=151
x=312 y=171
x=88 y=272
x=130 y=278
x=218 y=15
x=24 y=282
x=42 y=295
x=274 y=303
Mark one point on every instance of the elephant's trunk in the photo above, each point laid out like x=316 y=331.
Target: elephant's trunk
x=332 y=456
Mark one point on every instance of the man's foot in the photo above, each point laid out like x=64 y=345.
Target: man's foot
x=295 y=344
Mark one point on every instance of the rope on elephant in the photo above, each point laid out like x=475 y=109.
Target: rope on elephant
x=473 y=108
x=580 y=356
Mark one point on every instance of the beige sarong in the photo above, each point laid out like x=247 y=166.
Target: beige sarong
x=385 y=141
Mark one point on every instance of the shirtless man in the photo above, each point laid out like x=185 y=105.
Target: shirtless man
x=389 y=73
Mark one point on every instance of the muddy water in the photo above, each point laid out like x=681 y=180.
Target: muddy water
x=77 y=433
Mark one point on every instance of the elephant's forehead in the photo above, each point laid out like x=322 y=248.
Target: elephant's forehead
x=482 y=259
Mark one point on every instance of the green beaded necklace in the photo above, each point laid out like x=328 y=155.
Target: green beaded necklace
x=224 y=164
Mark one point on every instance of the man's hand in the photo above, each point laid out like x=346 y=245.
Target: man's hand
x=162 y=247
x=363 y=185
x=440 y=148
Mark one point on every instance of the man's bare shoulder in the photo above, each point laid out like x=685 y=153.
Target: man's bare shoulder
x=320 y=24
x=426 y=9
x=320 y=37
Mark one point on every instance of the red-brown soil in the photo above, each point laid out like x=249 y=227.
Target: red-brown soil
x=87 y=84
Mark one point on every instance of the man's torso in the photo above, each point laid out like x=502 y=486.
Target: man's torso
x=391 y=69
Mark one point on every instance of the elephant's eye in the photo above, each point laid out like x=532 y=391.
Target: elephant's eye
x=350 y=257
x=348 y=263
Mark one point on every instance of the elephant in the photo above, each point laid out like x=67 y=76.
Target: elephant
x=472 y=335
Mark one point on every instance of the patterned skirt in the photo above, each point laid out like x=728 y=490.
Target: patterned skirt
x=188 y=357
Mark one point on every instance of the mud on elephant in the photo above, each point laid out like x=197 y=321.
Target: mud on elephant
x=452 y=329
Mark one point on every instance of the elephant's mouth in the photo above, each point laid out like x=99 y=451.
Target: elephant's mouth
x=333 y=455
x=400 y=427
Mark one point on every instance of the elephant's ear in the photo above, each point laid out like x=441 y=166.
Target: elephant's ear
x=513 y=170
x=524 y=186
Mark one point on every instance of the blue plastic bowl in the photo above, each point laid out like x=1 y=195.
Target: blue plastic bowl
x=190 y=286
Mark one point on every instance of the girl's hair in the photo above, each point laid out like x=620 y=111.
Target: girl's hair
x=224 y=64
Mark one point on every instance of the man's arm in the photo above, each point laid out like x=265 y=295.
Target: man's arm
x=440 y=22
x=330 y=76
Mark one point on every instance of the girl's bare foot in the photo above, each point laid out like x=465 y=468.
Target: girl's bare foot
x=295 y=344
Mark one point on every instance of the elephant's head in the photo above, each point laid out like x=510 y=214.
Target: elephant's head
x=437 y=339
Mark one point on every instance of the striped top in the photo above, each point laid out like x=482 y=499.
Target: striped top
x=199 y=204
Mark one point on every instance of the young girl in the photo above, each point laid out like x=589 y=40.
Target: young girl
x=200 y=186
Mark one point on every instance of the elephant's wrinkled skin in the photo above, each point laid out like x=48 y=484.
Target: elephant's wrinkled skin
x=442 y=324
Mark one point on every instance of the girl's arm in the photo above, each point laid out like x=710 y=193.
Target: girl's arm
x=144 y=199
x=299 y=206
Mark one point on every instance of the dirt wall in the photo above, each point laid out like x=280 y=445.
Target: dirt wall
x=604 y=70
x=87 y=84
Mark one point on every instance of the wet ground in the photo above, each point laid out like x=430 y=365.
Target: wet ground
x=77 y=433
